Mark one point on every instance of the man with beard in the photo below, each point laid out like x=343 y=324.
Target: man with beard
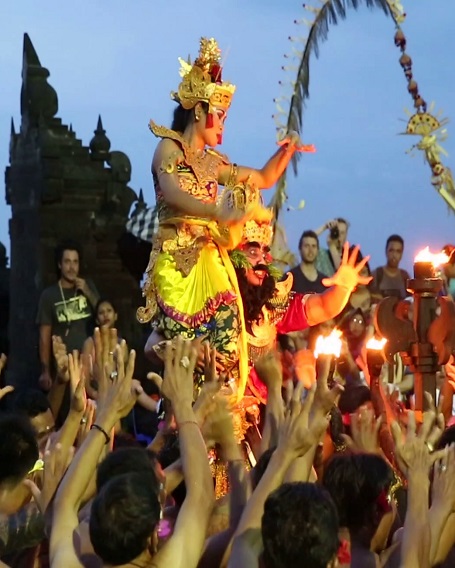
x=307 y=278
x=271 y=307
x=65 y=308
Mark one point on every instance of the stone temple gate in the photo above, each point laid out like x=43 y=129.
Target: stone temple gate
x=59 y=189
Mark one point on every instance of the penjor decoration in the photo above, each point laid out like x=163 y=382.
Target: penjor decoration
x=290 y=106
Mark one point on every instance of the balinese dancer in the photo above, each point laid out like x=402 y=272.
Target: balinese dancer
x=191 y=287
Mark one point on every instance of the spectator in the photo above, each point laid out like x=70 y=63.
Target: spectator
x=34 y=404
x=361 y=487
x=307 y=279
x=300 y=527
x=18 y=455
x=329 y=260
x=65 y=309
x=391 y=280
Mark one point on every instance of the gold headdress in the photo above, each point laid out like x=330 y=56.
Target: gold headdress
x=258 y=232
x=246 y=197
x=201 y=81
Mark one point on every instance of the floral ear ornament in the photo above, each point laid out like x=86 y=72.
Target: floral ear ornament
x=239 y=259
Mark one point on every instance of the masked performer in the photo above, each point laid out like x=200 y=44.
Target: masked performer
x=270 y=307
x=191 y=287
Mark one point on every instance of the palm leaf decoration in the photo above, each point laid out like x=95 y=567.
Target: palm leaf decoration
x=329 y=13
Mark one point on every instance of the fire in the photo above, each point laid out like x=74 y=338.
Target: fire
x=435 y=258
x=329 y=345
x=376 y=344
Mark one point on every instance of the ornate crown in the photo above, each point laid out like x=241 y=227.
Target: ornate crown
x=258 y=232
x=247 y=197
x=201 y=81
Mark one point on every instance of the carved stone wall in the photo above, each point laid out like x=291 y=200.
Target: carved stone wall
x=60 y=189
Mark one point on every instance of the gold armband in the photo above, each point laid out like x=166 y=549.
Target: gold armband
x=169 y=165
x=232 y=180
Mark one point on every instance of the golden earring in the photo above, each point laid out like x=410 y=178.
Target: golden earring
x=198 y=118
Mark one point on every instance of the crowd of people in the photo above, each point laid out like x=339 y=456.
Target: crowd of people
x=245 y=445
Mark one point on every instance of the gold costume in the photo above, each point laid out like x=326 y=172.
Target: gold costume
x=191 y=287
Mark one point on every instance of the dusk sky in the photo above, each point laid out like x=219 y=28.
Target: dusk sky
x=119 y=59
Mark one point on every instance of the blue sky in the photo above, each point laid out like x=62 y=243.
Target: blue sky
x=119 y=59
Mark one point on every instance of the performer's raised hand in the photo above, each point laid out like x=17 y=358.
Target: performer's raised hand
x=348 y=275
x=226 y=215
x=291 y=141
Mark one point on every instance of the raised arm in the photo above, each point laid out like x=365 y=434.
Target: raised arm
x=184 y=548
x=118 y=399
x=416 y=461
x=45 y=355
x=267 y=176
x=325 y=306
x=297 y=437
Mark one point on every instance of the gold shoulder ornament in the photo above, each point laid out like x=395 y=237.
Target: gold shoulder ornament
x=284 y=287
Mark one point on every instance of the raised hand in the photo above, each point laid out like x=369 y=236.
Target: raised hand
x=77 y=383
x=414 y=452
x=443 y=488
x=364 y=432
x=291 y=141
x=87 y=420
x=348 y=274
x=106 y=342
x=57 y=458
x=61 y=359
x=297 y=433
x=211 y=386
x=218 y=427
x=269 y=370
x=179 y=363
x=121 y=391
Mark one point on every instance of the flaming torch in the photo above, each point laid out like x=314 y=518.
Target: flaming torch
x=326 y=351
x=426 y=262
x=417 y=331
x=375 y=357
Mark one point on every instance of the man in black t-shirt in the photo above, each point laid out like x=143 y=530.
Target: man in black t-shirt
x=65 y=309
x=307 y=279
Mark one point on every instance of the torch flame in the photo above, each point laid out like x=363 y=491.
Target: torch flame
x=435 y=258
x=329 y=345
x=376 y=344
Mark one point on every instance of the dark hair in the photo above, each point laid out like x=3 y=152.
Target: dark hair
x=341 y=220
x=261 y=465
x=255 y=297
x=394 y=239
x=307 y=234
x=125 y=461
x=31 y=402
x=353 y=397
x=18 y=448
x=299 y=527
x=355 y=481
x=124 y=515
x=105 y=301
x=182 y=117
x=62 y=247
